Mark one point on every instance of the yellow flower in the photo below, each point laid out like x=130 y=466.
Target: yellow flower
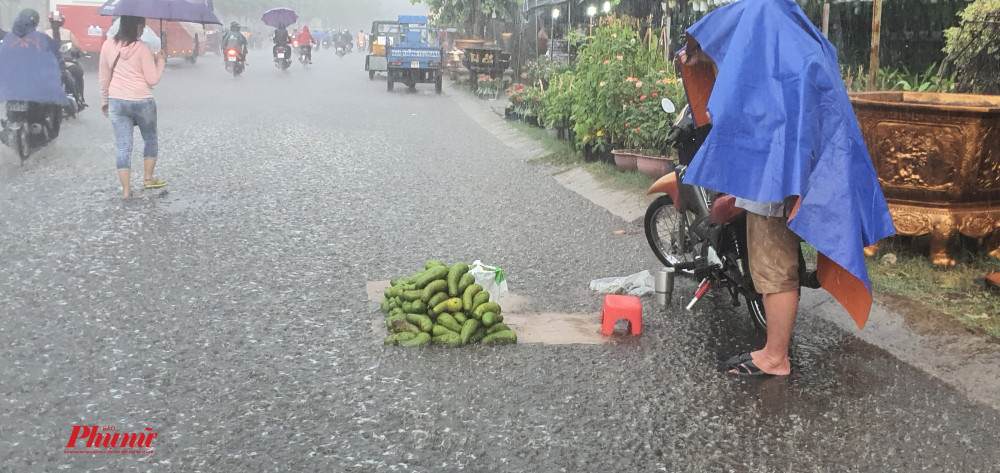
x=600 y=132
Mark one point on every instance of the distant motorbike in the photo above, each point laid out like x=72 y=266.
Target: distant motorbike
x=304 y=54
x=235 y=62
x=282 y=57
x=341 y=49
x=71 y=57
x=29 y=126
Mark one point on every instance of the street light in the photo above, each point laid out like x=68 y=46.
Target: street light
x=607 y=7
x=591 y=11
x=555 y=14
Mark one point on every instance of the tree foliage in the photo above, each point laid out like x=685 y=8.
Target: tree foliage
x=471 y=14
x=974 y=48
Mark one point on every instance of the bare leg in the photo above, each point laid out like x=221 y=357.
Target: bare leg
x=781 y=308
x=147 y=168
x=124 y=176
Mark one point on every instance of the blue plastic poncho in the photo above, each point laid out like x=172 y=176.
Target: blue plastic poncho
x=783 y=125
x=28 y=67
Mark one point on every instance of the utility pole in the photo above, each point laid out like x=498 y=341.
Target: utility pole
x=876 y=35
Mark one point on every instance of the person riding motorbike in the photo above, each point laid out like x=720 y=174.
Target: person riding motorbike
x=280 y=38
x=306 y=42
x=362 y=40
x=73 y=50
x=29 y=72
x=233 y=38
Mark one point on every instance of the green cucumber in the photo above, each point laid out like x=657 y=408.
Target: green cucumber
x=430 y=275
x=501 y=337
x=422 y=321
x=449 y=322
x=467 y=280
x=480 y=299
x=487 y=307
x=497 y=327
x=468 y=329
x=399 y=337
x=469 y=295
x=456 y=272
x=421 y=339
x=433 y=288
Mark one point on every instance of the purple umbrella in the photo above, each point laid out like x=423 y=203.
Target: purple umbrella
x=190 y=11
x=278 y=17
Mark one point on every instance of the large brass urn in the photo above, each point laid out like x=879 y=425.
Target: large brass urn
x=938 y=159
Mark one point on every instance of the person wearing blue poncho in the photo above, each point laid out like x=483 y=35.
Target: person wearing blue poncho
x=786 y=143
x=29 y=67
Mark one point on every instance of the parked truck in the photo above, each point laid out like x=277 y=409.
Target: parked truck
x=416 y=59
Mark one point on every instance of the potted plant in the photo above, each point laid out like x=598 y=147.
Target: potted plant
x=557 y=105
x=647 y=124
x=487 y=87
x=608 y=73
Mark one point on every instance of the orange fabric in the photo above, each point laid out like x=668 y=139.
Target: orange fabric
x=699 y=78
x=849 y=291
x=304 y=36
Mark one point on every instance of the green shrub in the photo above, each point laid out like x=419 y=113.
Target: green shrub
x=974 y=48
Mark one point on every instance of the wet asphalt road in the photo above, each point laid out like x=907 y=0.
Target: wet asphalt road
x=229 y=314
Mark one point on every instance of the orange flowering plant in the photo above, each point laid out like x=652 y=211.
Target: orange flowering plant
x=646 y=125
x=616 y=78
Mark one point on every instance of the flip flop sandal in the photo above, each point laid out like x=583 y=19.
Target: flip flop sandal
x=153 y=184
x=747 y=368
x=738 y=359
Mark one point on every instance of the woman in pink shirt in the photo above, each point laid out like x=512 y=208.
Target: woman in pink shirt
x=128 y=71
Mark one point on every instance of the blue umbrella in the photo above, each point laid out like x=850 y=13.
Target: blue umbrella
x=278 y=17
x=190 y=11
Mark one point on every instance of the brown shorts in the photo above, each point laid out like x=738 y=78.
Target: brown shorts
x=774 y=254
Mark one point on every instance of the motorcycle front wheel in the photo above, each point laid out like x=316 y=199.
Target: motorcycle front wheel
x=667 y=233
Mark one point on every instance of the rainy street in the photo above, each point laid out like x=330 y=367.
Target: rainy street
x=229 y=314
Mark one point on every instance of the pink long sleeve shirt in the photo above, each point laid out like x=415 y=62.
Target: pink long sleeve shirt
x=134 y=76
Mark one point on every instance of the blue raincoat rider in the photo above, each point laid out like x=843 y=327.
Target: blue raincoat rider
x=29 y=64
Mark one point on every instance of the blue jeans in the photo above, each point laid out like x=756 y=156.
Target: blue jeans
x=127 y=114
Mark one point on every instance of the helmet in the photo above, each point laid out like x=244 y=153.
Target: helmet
x=57 y=16
x=234 y=26
x=32 y=14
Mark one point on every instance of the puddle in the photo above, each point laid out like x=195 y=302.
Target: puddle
x=549 y=328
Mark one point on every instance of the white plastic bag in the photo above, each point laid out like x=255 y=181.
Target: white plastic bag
x=638 y=284
x=490 y=277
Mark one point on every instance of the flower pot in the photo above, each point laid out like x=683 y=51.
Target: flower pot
x=654 y=167
x=625 y=160
x=594 y=155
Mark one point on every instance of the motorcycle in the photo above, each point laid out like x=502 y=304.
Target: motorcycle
x=341 y=49
x=29 y=126
x=283 y=57
x=235 y=63
x=701 y=233
x=71 y=57
x=303 y=55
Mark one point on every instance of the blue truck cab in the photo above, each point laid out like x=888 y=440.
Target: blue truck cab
x=416 y=59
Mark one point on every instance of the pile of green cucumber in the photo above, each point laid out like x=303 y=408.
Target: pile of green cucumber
x=442 y=305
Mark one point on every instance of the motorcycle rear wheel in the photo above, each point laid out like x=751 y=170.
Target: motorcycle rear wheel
x=667 y=233
x=21 y=143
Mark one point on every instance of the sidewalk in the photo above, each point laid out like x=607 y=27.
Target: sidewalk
x=926 y=339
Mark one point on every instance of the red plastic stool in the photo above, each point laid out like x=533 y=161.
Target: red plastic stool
x=621 y=307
